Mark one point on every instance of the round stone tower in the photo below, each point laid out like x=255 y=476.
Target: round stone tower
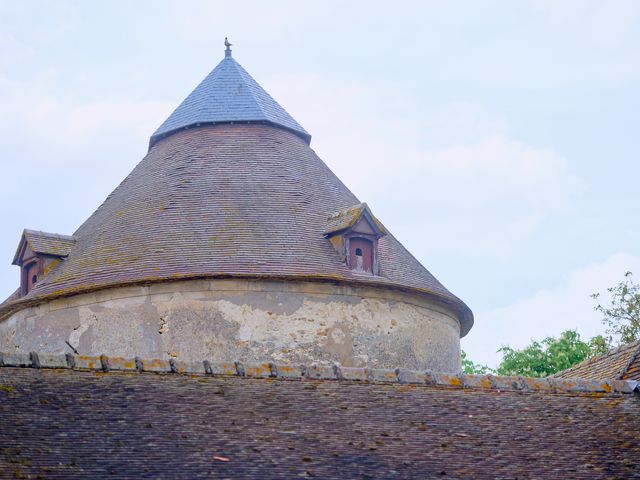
x=232 y=240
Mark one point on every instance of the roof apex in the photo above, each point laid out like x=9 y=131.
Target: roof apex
x=228 y=95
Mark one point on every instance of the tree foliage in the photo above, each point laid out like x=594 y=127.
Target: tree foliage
x=471 y=368
x=622 y=314
x=549 y=356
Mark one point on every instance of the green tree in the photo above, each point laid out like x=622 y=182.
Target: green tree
x=549 y=356
x=622 y=314
x=471 y=368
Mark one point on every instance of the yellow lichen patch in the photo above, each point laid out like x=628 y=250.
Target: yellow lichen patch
x=155 y=363
x=119 y=363
x=606 y=387
x=90 y=362
x=452 y=380
x=485 y=382
x=257 y=370
x=50 y=266
x=229 y=369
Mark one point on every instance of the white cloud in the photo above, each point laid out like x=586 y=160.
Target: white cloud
x=65 y=126
x=549 y=311
x=453 y=179
x=608 y=24
x=272 y=20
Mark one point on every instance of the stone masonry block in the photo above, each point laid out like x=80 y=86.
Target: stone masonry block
x=594 y=386
x=16 y=359
x=507 y=382
x=156 y=365
x=227 y=368
x=476 y=381
x=289 y=371
x=122 y=364
x=322 y=372
x=354 y=373
x=48 y=360
x=410 y=376
x=382 y=375
x=448 y=379
x=626 y=386
x=260 y=370
x=196 y=368
x=429 y=377
x=537 y=384
x=84 y=362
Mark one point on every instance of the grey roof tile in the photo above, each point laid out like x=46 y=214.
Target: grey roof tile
x=228 y=94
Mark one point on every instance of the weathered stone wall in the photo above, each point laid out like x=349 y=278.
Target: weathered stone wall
x=222 y=320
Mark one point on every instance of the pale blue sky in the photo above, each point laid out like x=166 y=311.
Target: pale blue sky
x=498 y=140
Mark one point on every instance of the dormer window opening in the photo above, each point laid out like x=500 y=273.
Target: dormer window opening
x=361 y=257
x=29 y=276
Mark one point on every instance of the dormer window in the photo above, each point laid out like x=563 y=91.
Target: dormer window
x=37 y=254
x=354 y=233
x=360 y=254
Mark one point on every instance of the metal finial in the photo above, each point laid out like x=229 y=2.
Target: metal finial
x=227 y=52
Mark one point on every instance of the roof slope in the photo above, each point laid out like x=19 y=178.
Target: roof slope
x=72 y=424
x=228 y=94
x=620 y=363
x=225 y=200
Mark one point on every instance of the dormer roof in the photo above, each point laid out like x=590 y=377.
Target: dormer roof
x=349 y=217
x=43 y=243
x=228 y=95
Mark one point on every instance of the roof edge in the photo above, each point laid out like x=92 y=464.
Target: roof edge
x=155 y=138
x=463 y=312
x=333 y=372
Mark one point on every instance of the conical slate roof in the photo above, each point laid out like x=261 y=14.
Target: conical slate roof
x=228 y=94
x=241 y=200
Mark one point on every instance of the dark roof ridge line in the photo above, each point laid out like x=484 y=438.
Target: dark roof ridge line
x=335 y=372
x=631 y=360
x=154 y=139
x=48 y=234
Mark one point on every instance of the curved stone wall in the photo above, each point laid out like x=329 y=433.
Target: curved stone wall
x=249 y=320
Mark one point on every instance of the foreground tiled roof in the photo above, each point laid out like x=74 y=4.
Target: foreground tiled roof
x=228 y=94
x=47 y=243
x=620 y=363
x=106 y=417
x=245 y=201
